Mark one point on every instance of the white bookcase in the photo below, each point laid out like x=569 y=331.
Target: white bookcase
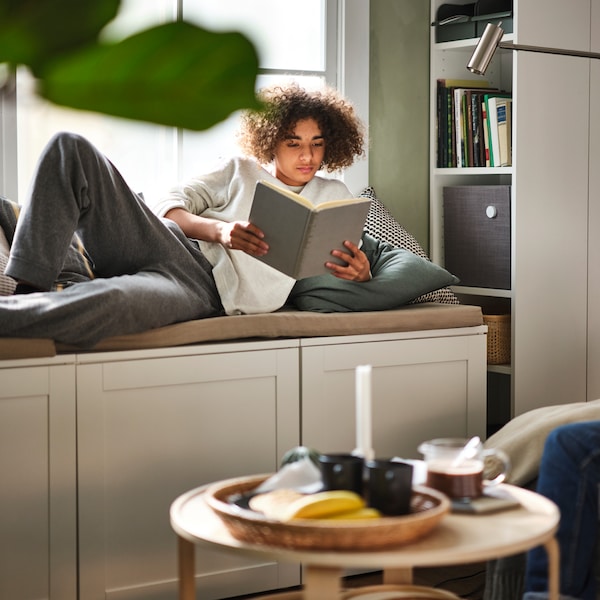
x=554 y=297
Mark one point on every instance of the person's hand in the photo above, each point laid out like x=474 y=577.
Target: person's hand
x=244 y=236
x=357 y=267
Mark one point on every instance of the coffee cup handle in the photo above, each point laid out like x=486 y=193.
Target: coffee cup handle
x=502 y=457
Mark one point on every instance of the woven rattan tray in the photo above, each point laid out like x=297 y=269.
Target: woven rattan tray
x=428 y=507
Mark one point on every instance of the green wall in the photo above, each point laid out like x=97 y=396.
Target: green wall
x=399 y=111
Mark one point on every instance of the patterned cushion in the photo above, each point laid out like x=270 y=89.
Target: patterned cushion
x=7 y=284
x=381 y=224
x=8 y=219
x=76 y=267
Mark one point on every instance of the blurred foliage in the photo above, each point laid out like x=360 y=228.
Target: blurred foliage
x=175 y=74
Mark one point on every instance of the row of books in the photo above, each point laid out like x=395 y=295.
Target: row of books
x=473 y=125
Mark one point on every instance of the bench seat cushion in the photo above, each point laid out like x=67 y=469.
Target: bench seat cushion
x=285 y=323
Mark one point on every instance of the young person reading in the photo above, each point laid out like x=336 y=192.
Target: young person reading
x=193 y=256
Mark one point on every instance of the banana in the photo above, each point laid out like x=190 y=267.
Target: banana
x=361 y=513
x=323 y=505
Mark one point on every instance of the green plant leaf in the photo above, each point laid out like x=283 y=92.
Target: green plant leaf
x=174 y=74
x=33 y=32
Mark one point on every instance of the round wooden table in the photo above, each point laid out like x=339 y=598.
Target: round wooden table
x=458 y=539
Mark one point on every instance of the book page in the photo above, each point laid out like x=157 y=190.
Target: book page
x=308 y=203
x=327 y=231
x=291 y=195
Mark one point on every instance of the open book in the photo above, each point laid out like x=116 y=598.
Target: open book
x=301 y=235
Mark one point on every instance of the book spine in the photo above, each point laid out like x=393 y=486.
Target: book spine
x=503 y=117
x=451 y=141
x=442 y=131
x=486 y=135
x=494 y=143
x=458 y=127
x=469 y=130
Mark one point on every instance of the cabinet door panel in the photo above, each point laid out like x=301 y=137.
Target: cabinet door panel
x=554 y=23
x=151 y=429
x=420 y=389
x=37 y=470
x=550 y=216
x=595 y=31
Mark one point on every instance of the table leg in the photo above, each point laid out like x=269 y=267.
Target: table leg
x=322 y=583
x=397 y=576
x=187 y=588
x=553 y=568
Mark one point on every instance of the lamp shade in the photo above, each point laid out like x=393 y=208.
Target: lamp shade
x=484 y=52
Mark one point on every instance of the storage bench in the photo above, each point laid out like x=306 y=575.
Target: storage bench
x=97 y=444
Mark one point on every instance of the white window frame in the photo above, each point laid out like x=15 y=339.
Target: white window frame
x=353 y=50
x=8 y=141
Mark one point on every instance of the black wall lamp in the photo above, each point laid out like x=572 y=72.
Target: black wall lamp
x=490 y=41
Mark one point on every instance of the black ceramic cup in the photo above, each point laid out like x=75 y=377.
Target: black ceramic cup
x=342 y=472
x=389 y=486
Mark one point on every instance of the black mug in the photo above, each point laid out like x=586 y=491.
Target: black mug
x=389 y=486
x=342 y=472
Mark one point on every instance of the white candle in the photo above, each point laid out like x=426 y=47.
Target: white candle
x=364 y=442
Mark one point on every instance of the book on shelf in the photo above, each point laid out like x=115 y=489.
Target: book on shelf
x=486 y=136
x=464 y=125
x=459 y=128
x=300 y=234
x=475 y=146
x=498 y=123
x=446 y=129
x=504 y=114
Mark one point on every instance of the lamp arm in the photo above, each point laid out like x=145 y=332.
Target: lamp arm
x=544 y=50
x=491 y=40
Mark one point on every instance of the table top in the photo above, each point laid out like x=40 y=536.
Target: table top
x=459 y=538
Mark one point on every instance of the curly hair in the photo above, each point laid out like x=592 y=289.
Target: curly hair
x=283 y=106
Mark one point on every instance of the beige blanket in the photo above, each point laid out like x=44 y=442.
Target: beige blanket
x=523 y=437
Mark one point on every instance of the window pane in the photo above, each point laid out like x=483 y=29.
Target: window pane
x=144 y=153
x=137 y=15
x=289 y=34
x=150 y=157
x=200 y=151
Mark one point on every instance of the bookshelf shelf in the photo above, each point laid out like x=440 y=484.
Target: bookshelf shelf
x=468 y=44
x=478 y=291
x=440 y=171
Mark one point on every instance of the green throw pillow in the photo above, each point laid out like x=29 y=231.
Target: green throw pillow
x=399 y=276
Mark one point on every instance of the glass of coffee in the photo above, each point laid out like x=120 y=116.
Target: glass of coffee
x=455 y=466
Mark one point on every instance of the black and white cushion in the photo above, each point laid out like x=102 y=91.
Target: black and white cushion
x=8 y=219
x=381 y=224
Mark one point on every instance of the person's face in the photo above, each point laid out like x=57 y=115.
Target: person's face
x=299 y=156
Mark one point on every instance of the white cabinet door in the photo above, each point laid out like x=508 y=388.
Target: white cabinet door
x=553 y=23
x=421 y=389
x=152 y=429
x=550 y=233
x=38 y=496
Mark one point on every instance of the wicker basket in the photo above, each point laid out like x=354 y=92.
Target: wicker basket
x=498 y=339
x=428 y=507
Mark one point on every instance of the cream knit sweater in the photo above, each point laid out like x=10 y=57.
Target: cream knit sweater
x=246 y=285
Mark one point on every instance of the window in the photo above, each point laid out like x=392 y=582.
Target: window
x=299 y=39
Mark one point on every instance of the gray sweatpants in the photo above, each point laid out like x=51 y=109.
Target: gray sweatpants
x=147 y=273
